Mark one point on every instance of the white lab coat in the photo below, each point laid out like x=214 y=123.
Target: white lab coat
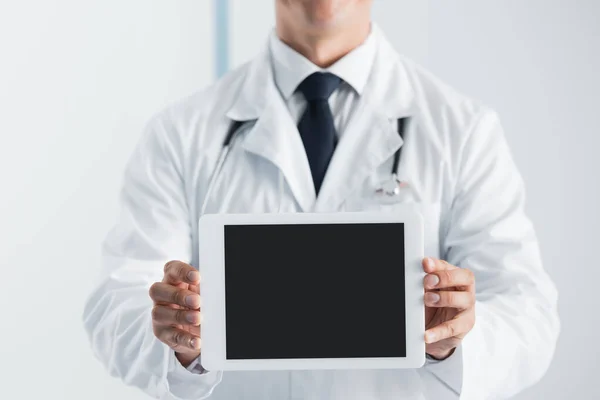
x=460 y=173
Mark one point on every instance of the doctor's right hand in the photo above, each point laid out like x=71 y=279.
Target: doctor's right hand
x=176 y=312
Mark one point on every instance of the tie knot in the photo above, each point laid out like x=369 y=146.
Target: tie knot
x=319 y=86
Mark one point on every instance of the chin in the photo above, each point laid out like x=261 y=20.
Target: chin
x=323 y=24
x=326 y=14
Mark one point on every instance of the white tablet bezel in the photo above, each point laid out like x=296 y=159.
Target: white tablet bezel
x=212 y=290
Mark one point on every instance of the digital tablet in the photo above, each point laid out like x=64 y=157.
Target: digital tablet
x=312 y=291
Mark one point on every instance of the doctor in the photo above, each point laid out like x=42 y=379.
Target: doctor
x=317 y=131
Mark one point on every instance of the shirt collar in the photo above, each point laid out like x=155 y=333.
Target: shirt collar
x=291 y=68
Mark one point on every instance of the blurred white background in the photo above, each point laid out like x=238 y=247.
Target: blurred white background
x=78 y=80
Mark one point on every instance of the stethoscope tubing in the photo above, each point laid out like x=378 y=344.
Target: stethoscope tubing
x=232 y=134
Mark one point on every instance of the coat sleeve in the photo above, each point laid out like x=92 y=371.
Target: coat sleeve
x=488 y=232
x=153 y=228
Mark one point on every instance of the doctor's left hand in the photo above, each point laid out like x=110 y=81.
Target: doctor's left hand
x=449 y=306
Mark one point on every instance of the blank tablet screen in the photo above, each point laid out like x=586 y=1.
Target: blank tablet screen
x=315 y=291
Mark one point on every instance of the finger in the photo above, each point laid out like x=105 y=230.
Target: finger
x=194 y=288
x=170 y=316
x=178 y=271
x=164 y=293
x=456 y=327
x=460 y=300
x=179 y=340
x=431 y=264
x=449 y=278
x=442 y=349
x=195 y=329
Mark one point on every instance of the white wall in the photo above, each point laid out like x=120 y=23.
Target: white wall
x=78 y=80
x=536 y=62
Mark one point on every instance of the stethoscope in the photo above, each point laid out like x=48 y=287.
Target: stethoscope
x=393 y=186
x=389 y=189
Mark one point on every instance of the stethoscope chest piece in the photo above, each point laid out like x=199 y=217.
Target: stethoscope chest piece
x=391 y=187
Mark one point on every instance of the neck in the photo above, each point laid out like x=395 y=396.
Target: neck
x=324 y=48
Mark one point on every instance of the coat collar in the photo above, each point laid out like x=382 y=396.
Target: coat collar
x=256 y=88
x=371 y=137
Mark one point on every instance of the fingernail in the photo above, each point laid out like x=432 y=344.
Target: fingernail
x=192 y=317
x=432 y=298
x=195 y=343
x=430 y=263
x=191 y=300
x=431 y=280
x=429 y=337
x=193 y=276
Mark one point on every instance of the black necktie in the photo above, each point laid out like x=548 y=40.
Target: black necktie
x=316 y=125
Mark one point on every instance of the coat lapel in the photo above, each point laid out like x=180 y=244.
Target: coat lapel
x=274 y=136
x=370 y=140
x=371 y=137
